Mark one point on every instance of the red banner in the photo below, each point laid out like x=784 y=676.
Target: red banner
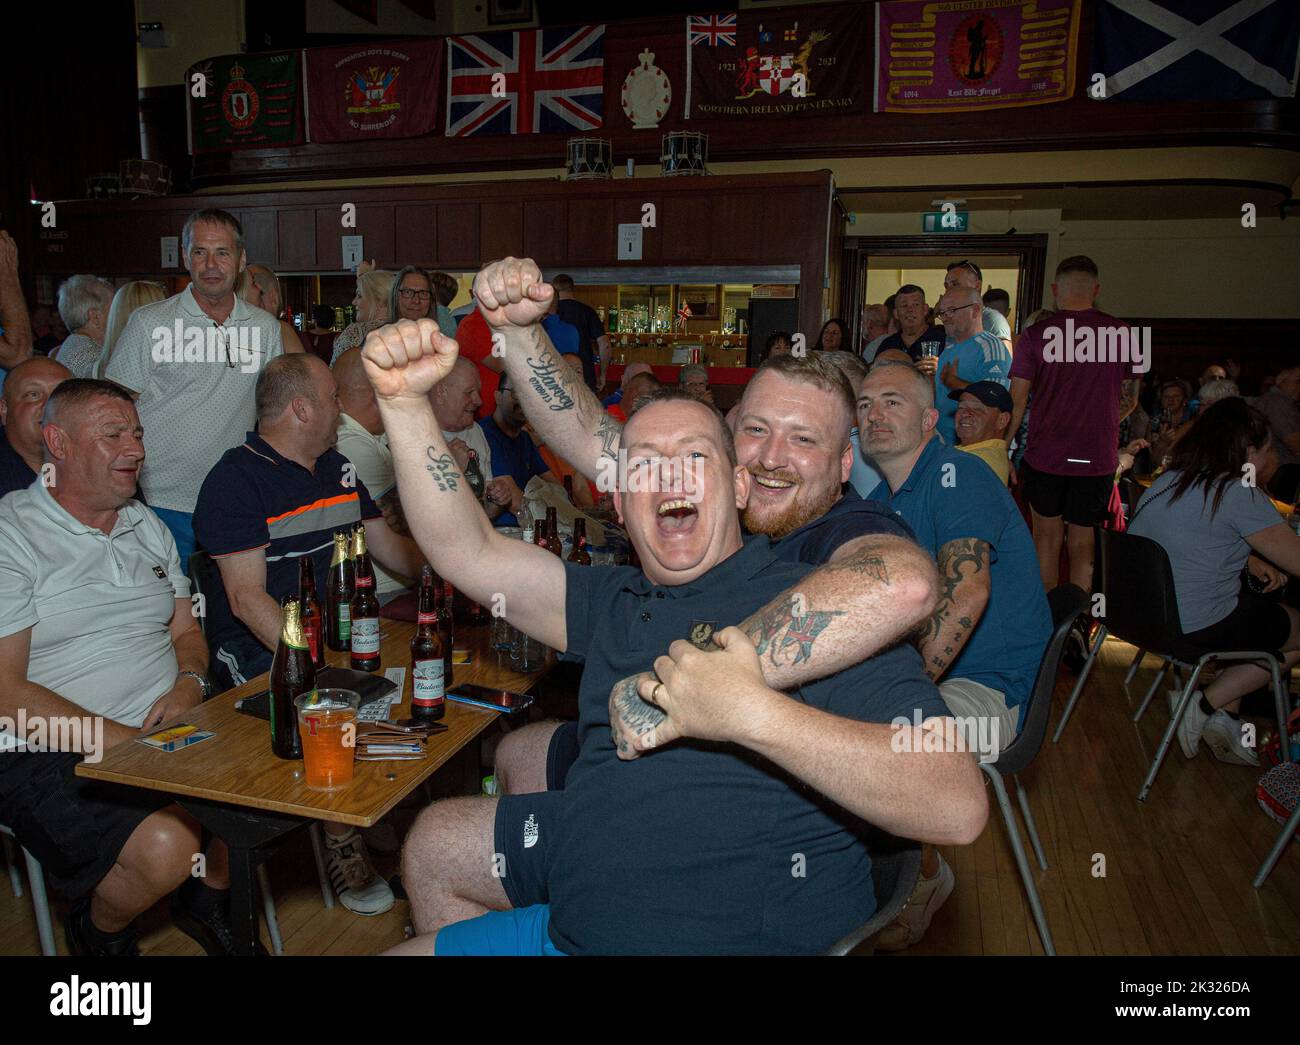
x=364 y=91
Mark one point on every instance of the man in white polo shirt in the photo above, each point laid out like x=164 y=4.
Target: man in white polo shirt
x=97 y=646
x=194 y=360
x=362 y=441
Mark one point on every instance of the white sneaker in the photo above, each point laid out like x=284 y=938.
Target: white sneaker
x=1190 y=727
x=359 y=889
x=1224 y=737
x=915 y=917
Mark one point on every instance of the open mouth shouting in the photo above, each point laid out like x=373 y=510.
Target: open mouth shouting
x=677 y=516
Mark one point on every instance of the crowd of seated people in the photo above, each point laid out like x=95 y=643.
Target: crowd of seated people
x=853 y=507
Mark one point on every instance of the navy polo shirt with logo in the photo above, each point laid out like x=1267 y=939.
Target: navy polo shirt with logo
x=942 y=504
x=690 y=849
x=256 y=498
x=15 y=473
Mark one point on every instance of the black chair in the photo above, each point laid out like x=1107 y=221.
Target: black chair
x=1066 y=602
x=1142 y=608
x=895 y=869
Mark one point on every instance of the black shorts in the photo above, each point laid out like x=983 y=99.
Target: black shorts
x=524 y=835
x=1255 y=623
x=1081 y=500
x=561 y=755
x=75 y=827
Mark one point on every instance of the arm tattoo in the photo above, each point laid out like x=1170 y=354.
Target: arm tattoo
x=776 y=628
x=958 y=560
x=629 y=715
x=443 y=470
x=548 y=382
x=609 y=432
x=865 y=564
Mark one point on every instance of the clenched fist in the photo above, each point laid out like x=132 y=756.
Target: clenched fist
x=404 y=360
x=511 y=293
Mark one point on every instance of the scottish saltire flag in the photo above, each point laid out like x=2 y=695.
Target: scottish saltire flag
x=547 y=81
x=713 y=30
x=1186 y=50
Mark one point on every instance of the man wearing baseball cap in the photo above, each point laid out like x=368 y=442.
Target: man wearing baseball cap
x=983 y=413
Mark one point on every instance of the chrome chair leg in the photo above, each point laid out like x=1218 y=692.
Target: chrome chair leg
x=1183 y=702
x=1031 y=826
x=1151 y=690
x=1022 y=862
x=1133 y=668
x=1078 y=686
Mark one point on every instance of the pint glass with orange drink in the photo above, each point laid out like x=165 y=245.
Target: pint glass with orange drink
x=327 y=723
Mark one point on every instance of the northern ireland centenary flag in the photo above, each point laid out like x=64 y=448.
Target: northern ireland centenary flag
x=974 y=54
x=796 y=61
x=365 y=91
x=1188 y=50
x=526 y=82
x=244 y=101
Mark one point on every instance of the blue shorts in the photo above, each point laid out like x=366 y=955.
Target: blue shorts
x=521 y=932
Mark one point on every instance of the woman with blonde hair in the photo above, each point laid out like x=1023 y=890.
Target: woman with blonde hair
x=128 y=298
x=374 y=288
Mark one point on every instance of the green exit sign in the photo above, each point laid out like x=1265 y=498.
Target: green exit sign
x=945 y=221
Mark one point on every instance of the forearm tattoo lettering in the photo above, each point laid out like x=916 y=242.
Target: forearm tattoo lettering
x=547 y=381
x=958 y=561
x=443 y=470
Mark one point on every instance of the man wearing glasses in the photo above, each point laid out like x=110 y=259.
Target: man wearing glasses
x=972 y=354
x=967 y=274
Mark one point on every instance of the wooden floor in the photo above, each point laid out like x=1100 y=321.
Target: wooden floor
x=1175 y=880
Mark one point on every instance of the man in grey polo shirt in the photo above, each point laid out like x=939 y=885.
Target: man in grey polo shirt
x=194 y=360
x=98 y=645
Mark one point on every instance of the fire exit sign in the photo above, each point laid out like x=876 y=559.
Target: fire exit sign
x=945 y=221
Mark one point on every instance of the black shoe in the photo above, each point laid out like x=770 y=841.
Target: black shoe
x=210 y=930
x=86 y=941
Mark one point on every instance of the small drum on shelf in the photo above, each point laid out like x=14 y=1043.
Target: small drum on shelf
x=589 y=158
x=101 y=186
x=684 y=152
x=145 y=178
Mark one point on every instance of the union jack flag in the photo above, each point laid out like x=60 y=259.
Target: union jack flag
x=714 y=30
x=526 y=82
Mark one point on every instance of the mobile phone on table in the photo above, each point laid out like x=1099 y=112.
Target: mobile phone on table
x=496 y=699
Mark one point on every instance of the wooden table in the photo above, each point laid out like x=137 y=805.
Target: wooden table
x=236 y=787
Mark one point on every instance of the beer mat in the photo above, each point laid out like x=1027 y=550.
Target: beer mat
x=367 y=757
x=176 y=737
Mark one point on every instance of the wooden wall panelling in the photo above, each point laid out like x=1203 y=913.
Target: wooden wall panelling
x=458 y=236
x=296 y=229
x=374 y=224
x=501 y=229
x=261 y=236
x=415 y=238
x=592 y=235
x=546 y=231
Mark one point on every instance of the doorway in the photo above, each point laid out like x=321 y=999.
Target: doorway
x=876 y=266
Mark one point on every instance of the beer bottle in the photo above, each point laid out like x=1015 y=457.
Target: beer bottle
x=338 y=597
x=428 y=665
x=292 y=675
x=313 y=622
x=580 y=556
x=526 y=522
x=365 y=608
x=446 y=630
x=474 y=476
x=553 y=544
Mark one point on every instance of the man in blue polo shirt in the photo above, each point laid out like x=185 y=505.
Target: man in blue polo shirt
x=984 y=641
x=688 y=849
x=279 y=496
x=972 y=354
x=514 y=453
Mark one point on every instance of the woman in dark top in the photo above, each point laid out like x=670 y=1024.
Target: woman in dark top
x=1210 y=513
x=833 y=338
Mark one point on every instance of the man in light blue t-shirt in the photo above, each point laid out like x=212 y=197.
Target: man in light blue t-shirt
x=973 y=354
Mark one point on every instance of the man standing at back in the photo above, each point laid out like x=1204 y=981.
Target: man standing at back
x=972 y=354
x=194 y=360
x=1069 y=465
x=594 y=345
